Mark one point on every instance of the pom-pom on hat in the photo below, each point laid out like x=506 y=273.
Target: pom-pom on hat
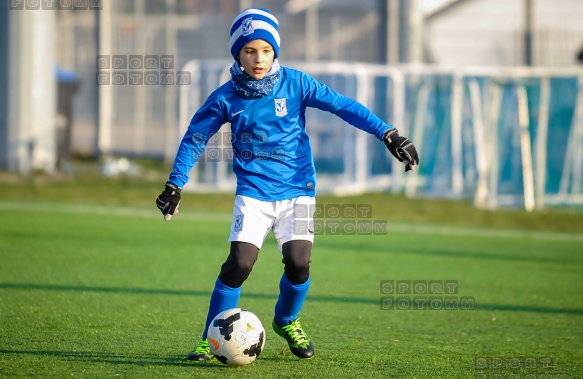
x=252 y=24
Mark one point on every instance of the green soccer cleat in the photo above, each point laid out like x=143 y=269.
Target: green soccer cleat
x=298 y=341
x=202 y=353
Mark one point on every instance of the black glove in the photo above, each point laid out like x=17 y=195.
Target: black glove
x=401 y=148
x=169 y=200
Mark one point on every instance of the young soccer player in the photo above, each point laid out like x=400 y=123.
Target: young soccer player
x=265 y=104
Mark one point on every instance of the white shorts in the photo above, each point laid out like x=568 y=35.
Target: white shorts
x=289 y=219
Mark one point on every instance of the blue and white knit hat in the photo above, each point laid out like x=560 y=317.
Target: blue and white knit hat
x=252 y=24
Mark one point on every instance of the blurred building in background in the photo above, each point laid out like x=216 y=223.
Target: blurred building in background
x=495 y=32
x=137 y=62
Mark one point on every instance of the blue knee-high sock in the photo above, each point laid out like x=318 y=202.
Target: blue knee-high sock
x=290 y=301
x=222 y=298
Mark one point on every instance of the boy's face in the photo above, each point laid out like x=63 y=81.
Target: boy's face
x=256 y=57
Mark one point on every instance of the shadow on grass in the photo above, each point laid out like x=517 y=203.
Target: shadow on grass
x=491 y=256
x=433 y=252
x=138 y=360
x=260 y=296
x=114 y=358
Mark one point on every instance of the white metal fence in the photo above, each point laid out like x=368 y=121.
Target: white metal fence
x=502 y=136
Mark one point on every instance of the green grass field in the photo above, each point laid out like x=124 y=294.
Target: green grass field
x=93 y=283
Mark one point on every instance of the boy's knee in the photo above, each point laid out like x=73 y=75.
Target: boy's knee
x=239 y=264
x=296 y=259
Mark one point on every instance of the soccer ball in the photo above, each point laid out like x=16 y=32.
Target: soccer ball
x=236 y=337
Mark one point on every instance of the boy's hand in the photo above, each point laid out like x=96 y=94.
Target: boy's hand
x=401 y=148
x=169 y=201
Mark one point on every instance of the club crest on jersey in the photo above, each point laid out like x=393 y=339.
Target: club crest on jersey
x=280 y=107
x=238 y=223
x=247 y=26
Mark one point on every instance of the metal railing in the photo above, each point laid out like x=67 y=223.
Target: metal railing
x=502 y=136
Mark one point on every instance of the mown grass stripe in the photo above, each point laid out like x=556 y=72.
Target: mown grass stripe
x=220 y=216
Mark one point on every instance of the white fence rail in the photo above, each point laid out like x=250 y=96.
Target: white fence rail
x=502 y=136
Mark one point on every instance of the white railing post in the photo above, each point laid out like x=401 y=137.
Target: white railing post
x=457 y=107
x=361 y=158
x=578 y=140
x=417 y=135
x=399 y=119
x=479 y=143
x=525 y=148
x=492 y=145
x=542 y=141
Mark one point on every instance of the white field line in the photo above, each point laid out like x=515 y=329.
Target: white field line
x=110 y=210
x=485 y=233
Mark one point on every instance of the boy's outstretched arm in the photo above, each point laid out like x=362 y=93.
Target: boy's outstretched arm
x=320 y=96
x=204 y=124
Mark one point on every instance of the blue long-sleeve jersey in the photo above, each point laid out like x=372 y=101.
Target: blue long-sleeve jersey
x=272 y=156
